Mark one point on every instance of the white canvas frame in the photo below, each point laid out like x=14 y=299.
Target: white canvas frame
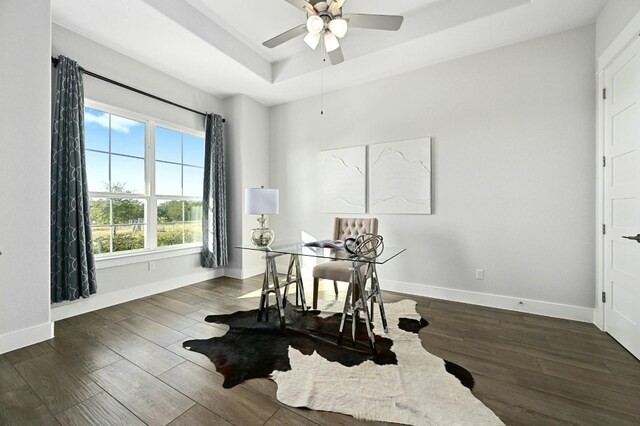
x=400 y=177
x=342 y=179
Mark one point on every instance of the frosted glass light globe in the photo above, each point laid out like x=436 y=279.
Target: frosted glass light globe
x=338 y=27
x=315 y=24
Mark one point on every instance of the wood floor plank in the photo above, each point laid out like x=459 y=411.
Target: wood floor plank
x=463 y=318
x=550 y=405
x=477 y=365
x=500 y=356
x=205 y=330
x=144 y=395
x=22 y=407
x=150 y=357
x=10 y=379
x=29 y=352
x=183 y=295
x=580 y=392
x=199 y=416
x=100 y=410
x=87 y=353
x=115 y=313
x=56 y=380
x=481 y=311
x=236 y=405
x=562 y=324
x=611 y=351
x=152 y=331
x=171 y=304
x=160 y=315
x=195 y=357
x=284 y=417
x=200 y=315
x=623 y=369
x=513 y=415
x=537 y=350
x=592 y=378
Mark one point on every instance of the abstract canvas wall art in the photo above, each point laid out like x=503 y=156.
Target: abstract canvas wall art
x=342 y=175
x=400 y=177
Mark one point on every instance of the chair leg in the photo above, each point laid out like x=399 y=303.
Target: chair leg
x=315 y=292
x=335 y=287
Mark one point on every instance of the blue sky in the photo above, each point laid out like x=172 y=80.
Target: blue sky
x=127 y=156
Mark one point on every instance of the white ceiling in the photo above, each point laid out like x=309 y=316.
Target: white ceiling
x=216 y=45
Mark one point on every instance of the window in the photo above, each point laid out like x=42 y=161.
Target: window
x=144 y=180
x=179 y=177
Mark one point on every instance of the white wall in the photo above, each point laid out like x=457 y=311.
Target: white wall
x=613 y=18
x=249 y=159
x=25 y=140
x=513 y=172
x=120 y=283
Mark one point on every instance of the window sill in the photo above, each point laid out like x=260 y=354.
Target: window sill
x=147 y=255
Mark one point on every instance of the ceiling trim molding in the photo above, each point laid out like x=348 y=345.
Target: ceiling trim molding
x=213 y=34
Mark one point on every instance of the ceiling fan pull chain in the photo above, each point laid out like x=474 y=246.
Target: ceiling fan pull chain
x=324 y=59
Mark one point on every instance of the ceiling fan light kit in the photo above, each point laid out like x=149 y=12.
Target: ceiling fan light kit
x=325 y=16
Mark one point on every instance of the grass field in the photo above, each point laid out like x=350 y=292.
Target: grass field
x=131 y=237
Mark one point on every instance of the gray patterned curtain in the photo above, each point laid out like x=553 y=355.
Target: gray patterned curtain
x=72 y=266
x=214 y=218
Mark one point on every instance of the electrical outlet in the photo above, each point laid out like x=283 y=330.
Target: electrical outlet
x=479 y=274
x=152 y=266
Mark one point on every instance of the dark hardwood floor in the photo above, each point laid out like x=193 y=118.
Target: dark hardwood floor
x=125 y=365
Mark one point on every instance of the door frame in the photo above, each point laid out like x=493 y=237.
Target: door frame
x=627 y=36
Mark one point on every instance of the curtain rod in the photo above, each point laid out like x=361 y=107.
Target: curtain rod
x=54 y=61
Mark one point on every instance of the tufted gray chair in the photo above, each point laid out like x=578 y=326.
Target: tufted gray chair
x=343 y=228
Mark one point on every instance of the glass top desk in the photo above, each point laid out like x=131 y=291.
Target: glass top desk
x=362 y=269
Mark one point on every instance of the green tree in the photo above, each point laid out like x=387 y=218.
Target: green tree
x=125 y=210
x=170 y=211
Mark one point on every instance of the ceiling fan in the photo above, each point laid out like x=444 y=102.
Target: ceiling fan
x=326 y=21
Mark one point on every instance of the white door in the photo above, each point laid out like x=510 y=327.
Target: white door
x=622 y=198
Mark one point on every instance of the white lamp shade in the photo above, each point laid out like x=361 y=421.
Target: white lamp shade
x=331 y=42
x=261 y=201
x=338 y=27
x=312 y=40
x=315 y=24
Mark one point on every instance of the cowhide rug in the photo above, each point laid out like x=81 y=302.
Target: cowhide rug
x=402 y=383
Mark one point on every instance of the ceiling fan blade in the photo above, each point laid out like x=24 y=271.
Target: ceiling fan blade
x=300 y=4
x=310 y=10
x=285 y=36
x=336 y=56
x=335 y=5
x=375 y=22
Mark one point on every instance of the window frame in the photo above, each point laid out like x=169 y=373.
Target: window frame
x=150 y=197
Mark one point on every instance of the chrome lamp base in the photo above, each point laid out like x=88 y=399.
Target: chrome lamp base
x=262 y=236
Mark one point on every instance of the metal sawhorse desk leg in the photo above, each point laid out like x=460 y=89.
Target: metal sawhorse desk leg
x=271 y=284
x=353 y=307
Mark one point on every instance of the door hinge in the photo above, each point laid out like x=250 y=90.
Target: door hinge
x=604 y=93
x=604 y=161
x=604 y=297
x=604 y=229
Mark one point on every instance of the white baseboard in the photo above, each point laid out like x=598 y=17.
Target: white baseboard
x=538 y=307
x=25 y=337
x=598 y=319
x=245 y=273
x=100 y=301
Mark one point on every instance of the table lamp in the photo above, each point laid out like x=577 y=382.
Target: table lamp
x=261 y=201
